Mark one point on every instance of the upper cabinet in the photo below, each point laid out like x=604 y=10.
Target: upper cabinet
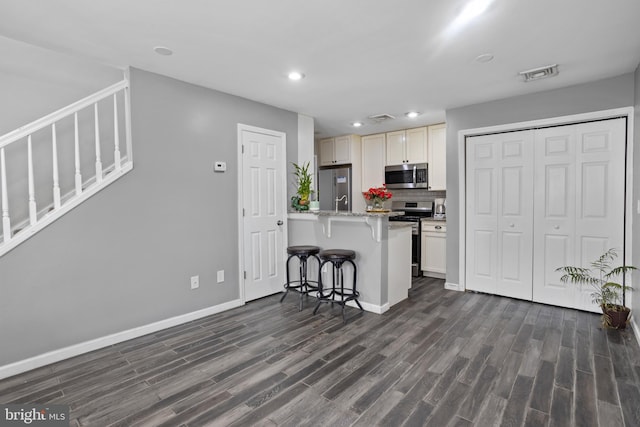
x=338 y=150
x=437 y=156
x=373 y=160
x=407 y=146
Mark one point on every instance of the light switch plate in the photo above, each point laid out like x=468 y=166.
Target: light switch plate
x=220 y=166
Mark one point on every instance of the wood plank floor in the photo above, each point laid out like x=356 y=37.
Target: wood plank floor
x=441 y=358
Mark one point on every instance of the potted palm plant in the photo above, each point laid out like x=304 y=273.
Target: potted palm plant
x=609 y=295
x=303 y=183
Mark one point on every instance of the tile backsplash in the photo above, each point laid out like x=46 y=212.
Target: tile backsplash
x=417 y=195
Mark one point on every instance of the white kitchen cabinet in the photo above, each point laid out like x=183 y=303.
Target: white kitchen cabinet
x=373 y=160
x=407 y=146
x=433 y=260
x=437 y=156
x=338 y=150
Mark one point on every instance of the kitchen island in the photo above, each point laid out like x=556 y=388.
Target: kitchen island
x=383 y=251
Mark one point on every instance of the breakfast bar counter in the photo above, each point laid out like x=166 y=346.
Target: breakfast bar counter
x=383 y=250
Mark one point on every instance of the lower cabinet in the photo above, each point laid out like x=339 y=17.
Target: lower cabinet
x=434 y=249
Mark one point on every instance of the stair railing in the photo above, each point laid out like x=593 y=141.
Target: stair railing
x=85 y=184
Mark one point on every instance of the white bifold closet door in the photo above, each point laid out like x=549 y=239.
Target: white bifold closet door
x=579 y=204
x=540 y=199
x=500 y=214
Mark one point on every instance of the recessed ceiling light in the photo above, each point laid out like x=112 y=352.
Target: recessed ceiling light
x=295 y=75
x=161 y=50
x=356 y=124
x=412 y=114
x=485 y=57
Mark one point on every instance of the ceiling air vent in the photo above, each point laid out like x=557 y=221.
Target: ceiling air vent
x=379 y=118
x=539 y=73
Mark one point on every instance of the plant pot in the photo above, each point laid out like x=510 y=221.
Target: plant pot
x=615 y=317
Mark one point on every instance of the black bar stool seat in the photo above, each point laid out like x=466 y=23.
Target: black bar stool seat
x=337 y=257
x=302 y=285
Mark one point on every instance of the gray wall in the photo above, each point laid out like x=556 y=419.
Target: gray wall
x=604 y=94
x=124 y=258
x=35 y=82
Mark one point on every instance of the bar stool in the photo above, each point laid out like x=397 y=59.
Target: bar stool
x=303 y=286
x=337 y=257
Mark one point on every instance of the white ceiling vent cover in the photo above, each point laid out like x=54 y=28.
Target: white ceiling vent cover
x=379 y=118
x=539 y=73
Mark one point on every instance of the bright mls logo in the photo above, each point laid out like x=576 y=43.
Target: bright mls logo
x=34 y=415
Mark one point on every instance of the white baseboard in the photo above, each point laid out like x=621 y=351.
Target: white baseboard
x=95 y=344
x=366 y=306
x=452 y=286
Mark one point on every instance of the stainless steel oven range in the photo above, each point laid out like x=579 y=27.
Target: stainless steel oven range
x=413 y=213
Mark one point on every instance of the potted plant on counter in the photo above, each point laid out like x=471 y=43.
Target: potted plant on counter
x=303 y=184
x=609 y=295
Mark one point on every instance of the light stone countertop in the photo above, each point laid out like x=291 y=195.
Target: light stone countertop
x=343 y=213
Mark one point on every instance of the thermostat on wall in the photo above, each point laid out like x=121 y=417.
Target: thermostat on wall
x=220 y=166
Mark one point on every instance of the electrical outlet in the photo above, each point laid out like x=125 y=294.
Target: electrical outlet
x=220 y=276
x=195 y=282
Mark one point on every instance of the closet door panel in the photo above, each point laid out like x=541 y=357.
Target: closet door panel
x=515 y=226
x=554 y=223
x=600 y=194
x=499 y=214
x=482 y=212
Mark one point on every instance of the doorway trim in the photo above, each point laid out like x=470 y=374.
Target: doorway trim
x=627 y=112
x=283 y=183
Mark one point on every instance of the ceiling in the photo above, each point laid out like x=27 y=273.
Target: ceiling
x=360 y=57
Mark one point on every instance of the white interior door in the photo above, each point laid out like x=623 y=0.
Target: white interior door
x=579 y=204
x=263 y=204
x=500 y=214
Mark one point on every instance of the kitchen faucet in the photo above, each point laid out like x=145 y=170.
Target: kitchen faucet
x=340 y=199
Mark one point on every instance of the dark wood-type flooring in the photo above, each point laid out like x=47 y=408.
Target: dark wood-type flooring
x=441 y=358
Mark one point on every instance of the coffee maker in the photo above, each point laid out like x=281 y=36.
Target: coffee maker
x=439 y=209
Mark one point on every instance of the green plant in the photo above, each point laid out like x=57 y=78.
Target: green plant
x=303 y=180
x=609 y=295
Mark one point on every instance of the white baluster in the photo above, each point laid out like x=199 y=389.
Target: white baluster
x=6 y=222
x=56 y=183
x=77 y=156
x=116 y=134
x=127 y=123
x=98 y=160
x=33 y=211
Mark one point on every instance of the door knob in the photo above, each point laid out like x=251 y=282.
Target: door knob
x=279 y=222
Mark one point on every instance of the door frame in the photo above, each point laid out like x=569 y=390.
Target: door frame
x=241 y=189
x=627 y=112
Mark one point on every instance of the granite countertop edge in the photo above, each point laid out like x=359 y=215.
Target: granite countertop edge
x=354 y=214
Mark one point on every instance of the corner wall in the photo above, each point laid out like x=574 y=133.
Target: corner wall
x=615 y=92
x=124 y=258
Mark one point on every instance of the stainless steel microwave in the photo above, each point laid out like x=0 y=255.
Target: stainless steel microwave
x=410 y=175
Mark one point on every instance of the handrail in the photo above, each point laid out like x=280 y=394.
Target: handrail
x=83 y=188
x=49 y=119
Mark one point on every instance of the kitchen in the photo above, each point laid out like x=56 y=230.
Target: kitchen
x=412 y=164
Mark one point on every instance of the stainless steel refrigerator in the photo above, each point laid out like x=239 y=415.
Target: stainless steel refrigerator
x=334 y=183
